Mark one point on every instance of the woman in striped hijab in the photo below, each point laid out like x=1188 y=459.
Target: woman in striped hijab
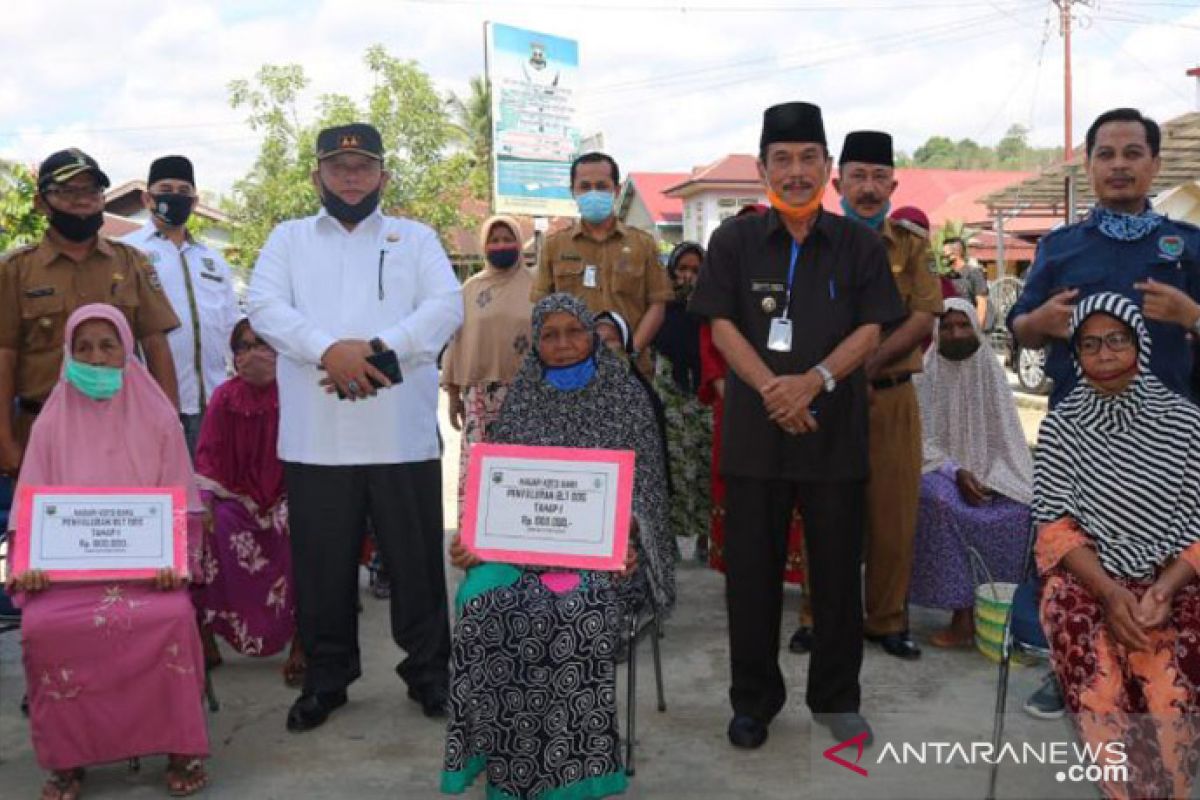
x=1117 y=502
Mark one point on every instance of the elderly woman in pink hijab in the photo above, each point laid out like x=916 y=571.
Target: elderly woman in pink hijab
x=113 y=670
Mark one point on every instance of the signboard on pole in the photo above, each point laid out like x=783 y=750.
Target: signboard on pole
x=534 y=78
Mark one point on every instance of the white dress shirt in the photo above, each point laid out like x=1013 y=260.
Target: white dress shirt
x=216 y=310
x=315 y=283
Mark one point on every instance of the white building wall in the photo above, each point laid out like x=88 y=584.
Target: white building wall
x=704 y=211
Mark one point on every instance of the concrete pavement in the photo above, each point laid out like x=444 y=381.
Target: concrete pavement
x=380 y=746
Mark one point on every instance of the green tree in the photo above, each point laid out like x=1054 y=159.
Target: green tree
x=938 y=151
x=20 y=223
x=1014 y=147
x=472 y=117
x=427 y=180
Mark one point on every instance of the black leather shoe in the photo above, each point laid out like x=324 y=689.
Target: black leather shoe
x=311 y=710
x=432 y=700
x=899 y=645
x=802 y=640
x=747 y=732
x=845 y=725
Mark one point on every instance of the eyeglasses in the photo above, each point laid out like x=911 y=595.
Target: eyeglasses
x=1116 y=341
x=75 y=192
x=247 y=346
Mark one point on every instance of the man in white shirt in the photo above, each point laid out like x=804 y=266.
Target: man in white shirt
x=330 y=292
x=198 y=283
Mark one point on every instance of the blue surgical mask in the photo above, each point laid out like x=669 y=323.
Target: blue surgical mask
x=595 y=206
x=875 y=221
x=98 y=383
x=572 y=378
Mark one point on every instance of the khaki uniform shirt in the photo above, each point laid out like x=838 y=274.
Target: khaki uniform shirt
x=629 y=277
x=40 y=287
x=919 y=288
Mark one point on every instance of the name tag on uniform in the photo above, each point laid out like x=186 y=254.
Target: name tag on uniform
x=779 y=338
x=589 y=276
x=209 y=277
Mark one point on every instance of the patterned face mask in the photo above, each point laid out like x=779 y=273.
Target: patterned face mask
x=1127 y=227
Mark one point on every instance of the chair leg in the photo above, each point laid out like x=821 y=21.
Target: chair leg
x=210 y=694
x=631 y=697
x=135 y=764
x=658 y=673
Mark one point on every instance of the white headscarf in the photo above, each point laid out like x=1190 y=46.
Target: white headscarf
x=969 y=417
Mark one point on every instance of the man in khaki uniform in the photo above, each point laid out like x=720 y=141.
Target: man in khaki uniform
x=610 y=266
x=40 y=285
x=866 y=180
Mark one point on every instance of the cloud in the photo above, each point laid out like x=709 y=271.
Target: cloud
x=670 y=89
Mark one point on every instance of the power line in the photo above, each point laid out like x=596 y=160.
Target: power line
x=683 y=8
x=955 y=33
x=772 y=60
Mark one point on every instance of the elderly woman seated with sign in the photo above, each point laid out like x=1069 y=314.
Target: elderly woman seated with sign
x=533 y=668
x=1116 y=495
x=113 y=670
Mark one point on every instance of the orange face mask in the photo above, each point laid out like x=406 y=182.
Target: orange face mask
x=795 y=213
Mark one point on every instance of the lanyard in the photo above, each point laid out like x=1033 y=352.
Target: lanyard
x=196 y=334
x=787 y=303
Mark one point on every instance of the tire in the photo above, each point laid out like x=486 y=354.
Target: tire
x=1030 y=367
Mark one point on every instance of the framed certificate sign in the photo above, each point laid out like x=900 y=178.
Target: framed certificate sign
x=94 y=533
x=549 y=506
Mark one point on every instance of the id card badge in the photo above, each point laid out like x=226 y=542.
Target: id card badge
x=589 y=276
x=779 y=338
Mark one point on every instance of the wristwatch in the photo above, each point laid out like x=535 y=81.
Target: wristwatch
x=377 y=346
x=827 y=376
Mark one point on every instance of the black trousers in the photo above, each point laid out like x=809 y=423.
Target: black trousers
x=756 y=531
x=328 y=509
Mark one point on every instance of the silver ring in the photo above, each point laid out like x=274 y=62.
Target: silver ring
x=353 y=387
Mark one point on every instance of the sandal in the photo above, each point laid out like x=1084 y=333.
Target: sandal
x=185 y=775
x=63 y=785
x=950 y=638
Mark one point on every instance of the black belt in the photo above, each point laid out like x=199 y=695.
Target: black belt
x=889 y=383
x=29 y=406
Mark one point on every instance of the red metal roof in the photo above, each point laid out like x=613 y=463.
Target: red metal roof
x=943 y=194
x=650 y=186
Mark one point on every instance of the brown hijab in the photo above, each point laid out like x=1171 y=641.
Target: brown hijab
x=495 y=335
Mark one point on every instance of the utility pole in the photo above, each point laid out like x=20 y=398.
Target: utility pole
x=1064 y=26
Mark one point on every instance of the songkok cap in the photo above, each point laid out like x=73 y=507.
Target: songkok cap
x=60 y=167
x=792 y=122
x=867 y=147
x=356 y=138
x=175 y=168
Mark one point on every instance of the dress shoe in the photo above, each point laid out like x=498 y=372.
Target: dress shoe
x=899 y=645
x=747 y=732
x=432 y=700
x=845 y=725
x=802 y=640
x=311 y=710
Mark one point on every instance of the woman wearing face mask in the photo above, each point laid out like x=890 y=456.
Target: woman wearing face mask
x=484 y=355
x=1117 y=504
x=113 y=670
x=978 y=474
x=689 y=430
x=533 y=662
x=247 y=598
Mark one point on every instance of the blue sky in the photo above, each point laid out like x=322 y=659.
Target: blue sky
x=671 y=83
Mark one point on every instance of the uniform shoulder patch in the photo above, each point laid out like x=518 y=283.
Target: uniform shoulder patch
x=16 y=252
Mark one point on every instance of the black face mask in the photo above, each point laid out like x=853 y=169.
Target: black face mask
x=352 y=213
x=173 y=209
x=503 y=257
x=958 y=349
x=73 y=227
